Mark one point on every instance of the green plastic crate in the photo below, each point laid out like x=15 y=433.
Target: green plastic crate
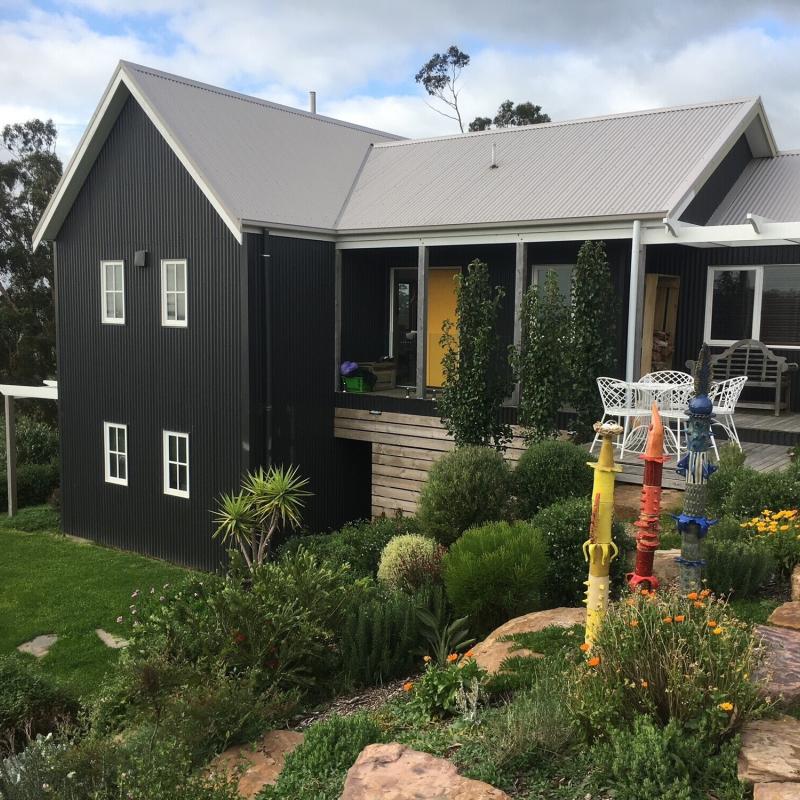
x=355 y=385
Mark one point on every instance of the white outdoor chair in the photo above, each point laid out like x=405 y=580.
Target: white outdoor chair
x=671 y=390
x=724 y=395
x=621 y=402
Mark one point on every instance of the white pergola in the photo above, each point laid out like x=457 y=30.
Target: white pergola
x=10 y=393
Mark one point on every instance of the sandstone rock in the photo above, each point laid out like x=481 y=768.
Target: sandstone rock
x=40 y=646
x=395 y=772
x=796 y=583
x=109 y=640
x=781 y=669
x=776 y=791
x=665 y=568
x=257 y=766
x=786 y=616
x=491 y=652
x=770 y=751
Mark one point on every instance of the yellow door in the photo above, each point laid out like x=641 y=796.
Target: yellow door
x=441 y=306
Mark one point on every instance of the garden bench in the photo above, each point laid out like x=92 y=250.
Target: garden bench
x=763 y=369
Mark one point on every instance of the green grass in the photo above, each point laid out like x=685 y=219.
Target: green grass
x=755 y=611
x=52 y=584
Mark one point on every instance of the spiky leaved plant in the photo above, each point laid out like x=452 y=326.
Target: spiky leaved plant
x=267 y=502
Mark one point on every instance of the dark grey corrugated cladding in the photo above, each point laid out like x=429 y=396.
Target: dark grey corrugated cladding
x=139 y=196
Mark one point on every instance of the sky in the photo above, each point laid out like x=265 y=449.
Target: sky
x=573 y=57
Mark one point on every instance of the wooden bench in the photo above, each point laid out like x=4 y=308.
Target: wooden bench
x=764 y=370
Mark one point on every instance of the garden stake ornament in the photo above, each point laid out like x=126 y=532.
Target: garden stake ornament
x=599 y=550
x=693 y=524
x=647 y=541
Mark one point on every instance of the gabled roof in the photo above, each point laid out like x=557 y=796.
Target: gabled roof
x=768 y=187
x=641 y=164
x=255 y=160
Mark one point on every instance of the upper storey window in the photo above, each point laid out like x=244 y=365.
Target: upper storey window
x=112 y=282
x=173 y=293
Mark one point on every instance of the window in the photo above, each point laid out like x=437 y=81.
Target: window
x=112 y=279
x=115 y=439
x=173 y=293
x=563 y=273
x=176 y=463
x=760 y=302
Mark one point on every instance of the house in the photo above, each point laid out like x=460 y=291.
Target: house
x=217 y=257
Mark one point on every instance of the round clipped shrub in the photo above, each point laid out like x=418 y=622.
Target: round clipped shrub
x=496 y=572
x=550 y=471
x=565 y=527
x=410 y=562
x=465 y=488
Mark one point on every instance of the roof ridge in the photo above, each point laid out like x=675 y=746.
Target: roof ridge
x=247 y=98
x=575 y=121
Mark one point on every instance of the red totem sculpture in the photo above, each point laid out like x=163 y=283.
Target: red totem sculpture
x=647 y=541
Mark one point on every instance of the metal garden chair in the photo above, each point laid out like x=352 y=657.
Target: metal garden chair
x=621 y=402
x=724 y=395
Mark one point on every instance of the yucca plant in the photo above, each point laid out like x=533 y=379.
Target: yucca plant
x=268 y=501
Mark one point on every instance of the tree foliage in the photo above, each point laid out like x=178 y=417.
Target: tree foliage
x=539 y=361
x=439 y=76
x=27 y=318
x=476 y=380
x=592 y=350
x=511 y=115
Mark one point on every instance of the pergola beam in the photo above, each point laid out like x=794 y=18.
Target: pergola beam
x=11 y=454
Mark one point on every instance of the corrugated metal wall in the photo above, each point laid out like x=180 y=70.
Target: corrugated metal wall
x=691 y=265
x=139 y=196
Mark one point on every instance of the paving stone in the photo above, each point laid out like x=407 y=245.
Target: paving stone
x=770 y=751
x=776 y=791
x=491 y=652
x=786 y=616
x=109 y=640
x=782 y=666
x=40 y=646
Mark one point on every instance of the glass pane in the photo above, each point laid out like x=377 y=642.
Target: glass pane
x=732 y=305
x=182 y=450
x=121 y=440
x=119 y=311
x=108 y=277
x=780 y=305
x=563 y=273
x=172 y=449
x=173 y=476
x=109 y=305
x=112 y=440
x=171 y=306
x=122 y=471
x=118 y=279
x=181 y=307
x=183 y=478
x=180 y=277
x=170 y=270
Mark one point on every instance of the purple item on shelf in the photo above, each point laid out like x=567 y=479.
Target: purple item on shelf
x=348 y=368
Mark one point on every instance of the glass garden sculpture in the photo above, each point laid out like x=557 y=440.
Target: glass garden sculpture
x=693 y=524
x=599 y=549
x=648 y=525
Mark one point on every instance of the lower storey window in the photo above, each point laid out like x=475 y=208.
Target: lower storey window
x=116 y=452
x=176 y=463
x=759 y=302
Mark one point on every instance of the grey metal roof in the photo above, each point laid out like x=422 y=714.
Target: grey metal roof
x=769 y=187
x=265 y=162
x=626 y=164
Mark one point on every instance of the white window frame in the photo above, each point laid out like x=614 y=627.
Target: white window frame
x=165 y=321
x=104 y=290
x=108 y=453
x=758 y=298
x=167 y=462
x=537 y=268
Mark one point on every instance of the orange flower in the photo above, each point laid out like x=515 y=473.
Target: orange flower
x=407 y=687
x=705 y=593
x=584 y=647
x=699 y=604
x=680 y=617
x=452 y=657
x=426 y=659
x=692 y=595
x=593 y=661
x=728 y=707
x=667 y=620
x=468 y=654
x=633 y=623
x=712 y=623
x=644 y=592
x=645 y=684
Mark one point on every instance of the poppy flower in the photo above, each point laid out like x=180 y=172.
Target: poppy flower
x=452 y=657
x=407 y=687
x=584 y=647
x=692 y=596
x=593 y=661
x=680 y=617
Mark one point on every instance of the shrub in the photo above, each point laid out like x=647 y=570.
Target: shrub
x=37 y=442
x=443 y=690
x=377 y=639
x=739 y=491
x=548 y=472
x=779 y=533
x=410 y=562
x=565 y=527
x=35 y=484
x=738 y=568
x=465 y=488
x=317 y=768
x=476 y=376
x=496 y=572
x=358 y=544
x=673 y=657
x=30 y=704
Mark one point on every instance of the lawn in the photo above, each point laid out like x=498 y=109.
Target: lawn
x=52 y=584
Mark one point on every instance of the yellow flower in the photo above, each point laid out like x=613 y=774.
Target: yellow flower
x=728 y=707
x=718 y=630
x=784 y=527
x=426 y=659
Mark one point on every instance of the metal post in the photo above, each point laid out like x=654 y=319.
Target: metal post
x=11 y=455
x=519 y=290
x=423 y=262
x=633 y=301
x=337 y=319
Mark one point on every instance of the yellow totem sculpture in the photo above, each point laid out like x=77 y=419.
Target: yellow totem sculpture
x=599 y=550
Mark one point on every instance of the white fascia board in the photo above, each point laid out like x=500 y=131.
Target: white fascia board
x=34 y=392
x=119 y=89
x=699 y=235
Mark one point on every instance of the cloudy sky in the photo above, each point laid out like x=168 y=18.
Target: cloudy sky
x=574 y=57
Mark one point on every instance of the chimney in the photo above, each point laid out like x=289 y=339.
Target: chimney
x=312 y=102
